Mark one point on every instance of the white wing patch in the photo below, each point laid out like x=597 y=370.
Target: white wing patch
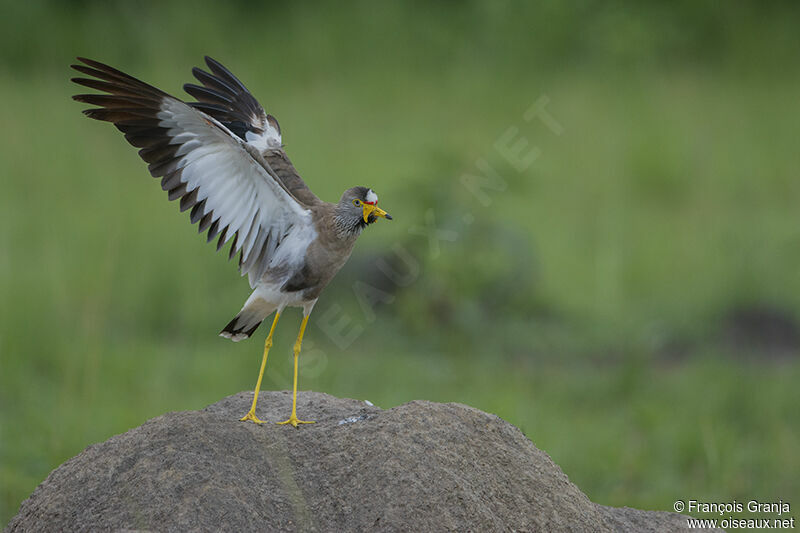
x=270 y=139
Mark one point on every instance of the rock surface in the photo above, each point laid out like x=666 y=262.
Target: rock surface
x=421 y=466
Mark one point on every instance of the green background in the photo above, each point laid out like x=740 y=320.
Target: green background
x=630 y=299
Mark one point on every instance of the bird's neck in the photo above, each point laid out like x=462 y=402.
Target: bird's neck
x=346 y=226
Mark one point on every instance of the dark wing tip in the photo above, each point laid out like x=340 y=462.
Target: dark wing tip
x=221 y=71
x=80 y=68
x=88 y=98
x=83 y=81
x=91 y=63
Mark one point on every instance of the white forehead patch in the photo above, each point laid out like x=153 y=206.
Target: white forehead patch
x=372 y=197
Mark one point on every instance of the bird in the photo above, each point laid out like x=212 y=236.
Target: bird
x=222 y=155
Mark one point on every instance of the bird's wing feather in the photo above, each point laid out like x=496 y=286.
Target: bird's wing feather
x=283 y=167
x=225 y=98
x=231 y=191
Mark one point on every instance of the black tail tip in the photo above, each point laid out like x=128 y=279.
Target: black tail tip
x=237 y=332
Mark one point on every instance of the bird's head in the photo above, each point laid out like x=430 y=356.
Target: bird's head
x=360 y=204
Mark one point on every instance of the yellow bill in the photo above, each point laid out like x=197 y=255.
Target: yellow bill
x=372 y=208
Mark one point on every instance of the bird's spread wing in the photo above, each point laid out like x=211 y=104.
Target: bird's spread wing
x=231 y=191
x=225 y=98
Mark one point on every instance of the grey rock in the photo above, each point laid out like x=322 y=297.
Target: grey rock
x=421 y=466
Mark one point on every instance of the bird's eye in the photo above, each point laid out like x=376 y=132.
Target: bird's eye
x=357 y=202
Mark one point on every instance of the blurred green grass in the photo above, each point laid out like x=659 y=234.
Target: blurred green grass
x=592 y=303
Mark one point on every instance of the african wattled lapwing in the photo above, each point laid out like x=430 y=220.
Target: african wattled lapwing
x=222 y=156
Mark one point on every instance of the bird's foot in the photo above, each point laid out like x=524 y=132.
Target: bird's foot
x=294 y=421
x=251 y=415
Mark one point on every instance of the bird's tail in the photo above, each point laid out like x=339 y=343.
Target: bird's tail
x=247 y=321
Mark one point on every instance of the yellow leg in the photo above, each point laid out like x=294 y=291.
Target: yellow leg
x=297 y=344
x=251 y=414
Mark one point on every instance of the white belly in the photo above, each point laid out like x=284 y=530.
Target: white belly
x=271 y=293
